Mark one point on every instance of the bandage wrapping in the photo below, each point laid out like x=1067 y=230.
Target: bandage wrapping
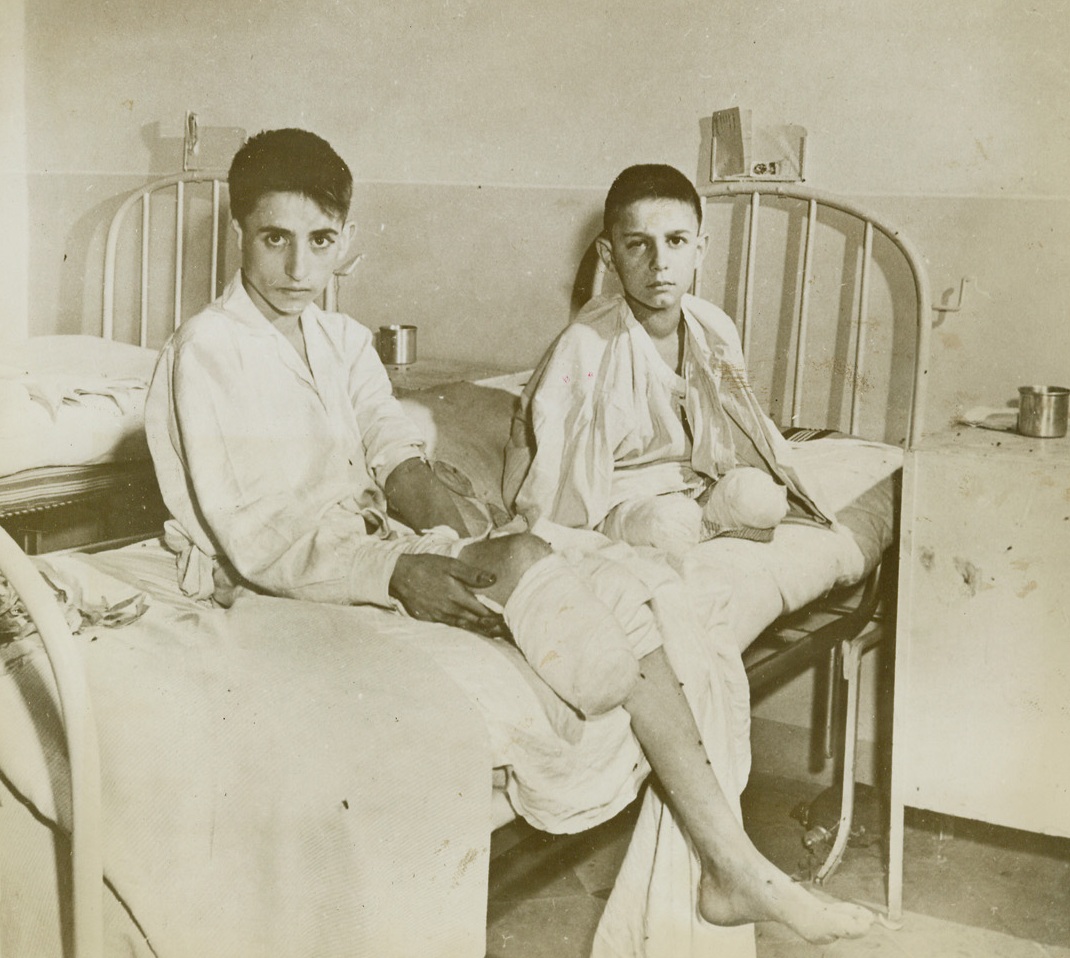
x=583 y=625
x=745 y=502
x=668 y=521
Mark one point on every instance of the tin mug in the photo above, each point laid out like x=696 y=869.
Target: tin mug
x=1042 y=411
x=397 y=345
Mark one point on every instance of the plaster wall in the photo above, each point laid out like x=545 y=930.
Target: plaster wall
x=483 y=134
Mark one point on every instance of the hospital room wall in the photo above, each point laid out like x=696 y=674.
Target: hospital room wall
x=483 y=134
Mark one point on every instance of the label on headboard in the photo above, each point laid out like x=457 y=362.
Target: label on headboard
x=739 y=150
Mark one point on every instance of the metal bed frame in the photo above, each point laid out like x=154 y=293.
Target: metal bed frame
x=852 y=621
x=857 y=624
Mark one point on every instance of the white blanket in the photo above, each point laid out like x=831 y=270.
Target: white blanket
x=278 y=779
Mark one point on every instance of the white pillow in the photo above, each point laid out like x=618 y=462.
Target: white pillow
x=72 y=400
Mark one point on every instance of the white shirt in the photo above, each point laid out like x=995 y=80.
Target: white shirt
x=272 y=467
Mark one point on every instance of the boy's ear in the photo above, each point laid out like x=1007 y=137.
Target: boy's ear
x=345 y=238
x=605 y=251
x=702 y=243
x=236 y=226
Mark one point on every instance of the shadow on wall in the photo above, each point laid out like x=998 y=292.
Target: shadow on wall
x=165 y=152
x=583 y=287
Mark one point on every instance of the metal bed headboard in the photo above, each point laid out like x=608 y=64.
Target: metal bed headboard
x=175 y=227
x=814 y=203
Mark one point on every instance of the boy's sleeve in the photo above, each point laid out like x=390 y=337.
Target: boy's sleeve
x=262 y=501
x=557 y=465
x=390 y=436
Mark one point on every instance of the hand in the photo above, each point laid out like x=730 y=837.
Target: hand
x=436 y=588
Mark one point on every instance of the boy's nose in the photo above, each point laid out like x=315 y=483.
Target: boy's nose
x=297 y=262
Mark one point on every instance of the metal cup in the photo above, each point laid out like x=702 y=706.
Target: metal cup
x=1042 y=411
x=397 y=345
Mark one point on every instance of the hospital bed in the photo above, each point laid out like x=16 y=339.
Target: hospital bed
x=836 y=337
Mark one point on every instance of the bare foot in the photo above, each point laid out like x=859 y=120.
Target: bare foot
x=744 y=894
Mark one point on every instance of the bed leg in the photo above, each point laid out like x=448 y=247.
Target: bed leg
x=852 y=651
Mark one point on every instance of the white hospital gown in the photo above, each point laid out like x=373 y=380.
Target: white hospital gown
x=274 y=468
x=598 y=423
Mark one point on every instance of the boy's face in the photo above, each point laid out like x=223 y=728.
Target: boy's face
x=290 y=249
x=654 y=247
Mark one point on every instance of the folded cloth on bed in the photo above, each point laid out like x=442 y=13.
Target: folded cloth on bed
x=278 y=779
x=72 y=400
x=88 y=597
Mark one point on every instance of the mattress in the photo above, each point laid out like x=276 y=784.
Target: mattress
x=72 y=401
x=746 y=584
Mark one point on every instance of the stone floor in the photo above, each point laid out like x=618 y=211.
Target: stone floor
x=970 y=889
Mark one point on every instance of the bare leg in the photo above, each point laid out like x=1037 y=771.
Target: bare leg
x=738 y=884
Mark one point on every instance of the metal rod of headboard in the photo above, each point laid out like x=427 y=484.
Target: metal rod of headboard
x=213 y=287
x=923 y=301
x=857 y=375
x=178 y=181
x=180 y=237
x=752 y=261
x=804 y=314
x=143 y=323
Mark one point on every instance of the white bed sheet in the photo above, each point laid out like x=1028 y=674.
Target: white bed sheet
x=750 y=584
x=275 y=779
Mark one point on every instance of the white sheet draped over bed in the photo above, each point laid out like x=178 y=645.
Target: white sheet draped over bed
x=246 y=753
x=279 y=779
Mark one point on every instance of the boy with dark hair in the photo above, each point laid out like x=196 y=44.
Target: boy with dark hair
x=648 y=181
x=640 y=421
x=290 y=469
x=282 y=161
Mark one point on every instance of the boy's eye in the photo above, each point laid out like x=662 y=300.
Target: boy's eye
x=275 y=240
x=322 y=242
x=677 y=240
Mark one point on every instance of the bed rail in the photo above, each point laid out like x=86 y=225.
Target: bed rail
x=87 y=872
x=815 y=201
x=144 y=198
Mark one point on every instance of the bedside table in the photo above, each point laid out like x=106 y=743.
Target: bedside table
x=427 y=373
x=981 y=724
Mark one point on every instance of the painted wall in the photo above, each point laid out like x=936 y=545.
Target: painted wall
x=14 y=259
x=504 y=121
x=484 y=132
